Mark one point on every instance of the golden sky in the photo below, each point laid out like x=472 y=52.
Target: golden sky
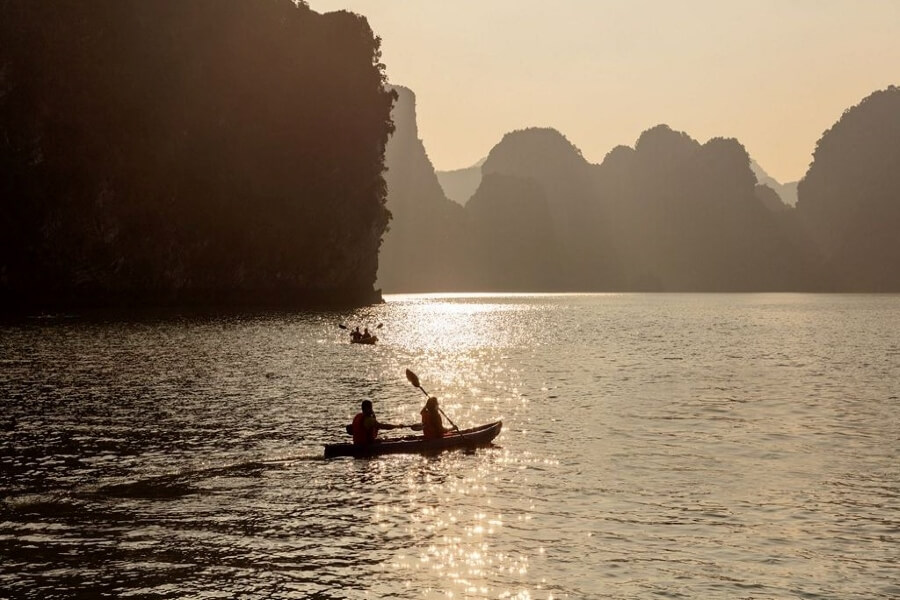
x=775 y=74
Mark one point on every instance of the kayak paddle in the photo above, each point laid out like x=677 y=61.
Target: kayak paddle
x=342 y=326
x=414 y=427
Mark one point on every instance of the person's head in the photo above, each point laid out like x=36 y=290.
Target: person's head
x=367 y=407
x=431 y=403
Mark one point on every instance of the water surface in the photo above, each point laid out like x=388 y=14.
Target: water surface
x=674 y=446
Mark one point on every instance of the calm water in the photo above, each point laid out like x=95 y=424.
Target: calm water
x=654 y=446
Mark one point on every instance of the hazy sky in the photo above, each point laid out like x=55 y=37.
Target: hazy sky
x=775 y=74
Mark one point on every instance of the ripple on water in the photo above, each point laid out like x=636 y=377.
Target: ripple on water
x=684 y=446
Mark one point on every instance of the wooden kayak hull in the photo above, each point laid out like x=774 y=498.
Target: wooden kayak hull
x=369 y=340
x=465 y=439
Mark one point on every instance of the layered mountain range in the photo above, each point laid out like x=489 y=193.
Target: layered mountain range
x=220 y=151
x=667 y=214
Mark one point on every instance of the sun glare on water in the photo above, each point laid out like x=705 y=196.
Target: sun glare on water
x=453 y=322
x=452 y=522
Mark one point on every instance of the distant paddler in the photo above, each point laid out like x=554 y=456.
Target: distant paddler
x=361 y=337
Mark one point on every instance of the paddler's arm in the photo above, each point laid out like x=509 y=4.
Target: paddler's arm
x=389 y=426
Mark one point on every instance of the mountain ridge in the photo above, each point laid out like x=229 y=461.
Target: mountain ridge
x=668 y=214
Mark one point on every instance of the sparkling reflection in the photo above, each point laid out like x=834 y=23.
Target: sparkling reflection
x=653 y=446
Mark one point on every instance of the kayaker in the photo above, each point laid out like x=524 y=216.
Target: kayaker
x=365 y=425
x=432 y=423
x=355 y=334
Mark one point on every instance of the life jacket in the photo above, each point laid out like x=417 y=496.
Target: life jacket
x=361 y=435
x=432 y=425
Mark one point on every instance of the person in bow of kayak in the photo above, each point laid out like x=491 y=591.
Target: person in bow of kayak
x=432 y=423
x=365 y=426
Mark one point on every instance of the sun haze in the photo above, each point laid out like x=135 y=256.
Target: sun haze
x=773 y=74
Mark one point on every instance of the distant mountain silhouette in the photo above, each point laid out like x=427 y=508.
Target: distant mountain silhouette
x=850 y=196
x=586 y=260
x=670 y=214
x=460 y=184
x=427 y=240
x=688 y=217
x=170 y=152
x=770 y=198
x=787 y=192
x=512 y=236
x=502 y=239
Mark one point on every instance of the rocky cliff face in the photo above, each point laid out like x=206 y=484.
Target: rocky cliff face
x=514 y=241
x=171 y=152
x=689 y=217
x=850 y=197
x=427 y=240
x=669 y=214
x=787 y=192
x=579 y=231
x=460 y=184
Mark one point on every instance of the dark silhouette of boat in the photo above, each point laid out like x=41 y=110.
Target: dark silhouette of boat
x=464 y=439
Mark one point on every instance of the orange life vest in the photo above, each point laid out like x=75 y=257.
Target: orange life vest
x=432 y=425
x=361 y=434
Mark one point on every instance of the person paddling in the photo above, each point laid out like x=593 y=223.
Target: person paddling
x=365 y=426
x=432 y=423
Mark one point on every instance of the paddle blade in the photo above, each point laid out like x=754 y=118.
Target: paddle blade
x=413 y=378
x=379 y=326
x=342 y=326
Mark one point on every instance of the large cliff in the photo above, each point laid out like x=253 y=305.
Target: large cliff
x=425 y=247
x=189 y=151
x=850 y=197
x=690 y=217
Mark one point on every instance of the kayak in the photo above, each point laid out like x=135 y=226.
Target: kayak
x=365 y=340
x=467 y=438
